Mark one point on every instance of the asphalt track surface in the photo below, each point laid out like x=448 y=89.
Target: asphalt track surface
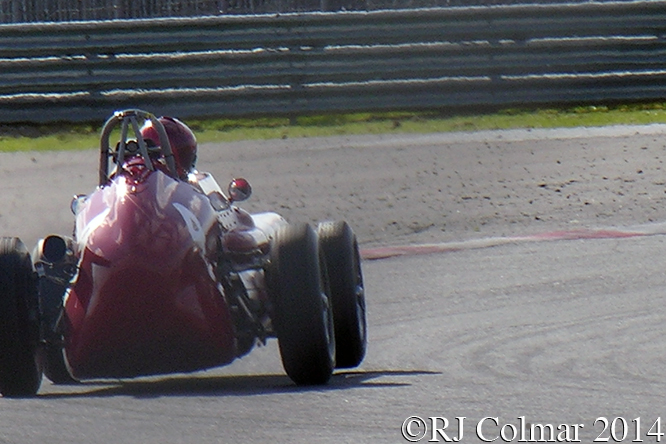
x=495 y=306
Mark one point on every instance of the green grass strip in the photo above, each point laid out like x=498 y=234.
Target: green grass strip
x=63 y=137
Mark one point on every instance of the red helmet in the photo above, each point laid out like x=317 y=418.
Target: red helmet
x=182 y=139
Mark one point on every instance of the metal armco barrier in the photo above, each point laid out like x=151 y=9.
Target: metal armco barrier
x=329 y=62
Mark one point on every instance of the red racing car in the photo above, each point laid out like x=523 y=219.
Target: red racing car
x=165 y=273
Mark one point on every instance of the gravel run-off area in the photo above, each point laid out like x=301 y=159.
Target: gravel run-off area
x=397 y=189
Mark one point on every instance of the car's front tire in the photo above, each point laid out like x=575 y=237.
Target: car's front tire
x=343 y=262
x=51 y=296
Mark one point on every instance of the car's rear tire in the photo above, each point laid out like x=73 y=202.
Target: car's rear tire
x=303 y=316
x=343 y=262
x=20 y=373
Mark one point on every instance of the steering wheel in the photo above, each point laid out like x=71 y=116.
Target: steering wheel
x=126 y=119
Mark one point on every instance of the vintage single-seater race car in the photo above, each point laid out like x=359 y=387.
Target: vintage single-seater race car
x=166 y=274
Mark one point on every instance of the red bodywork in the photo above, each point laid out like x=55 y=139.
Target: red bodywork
x=146 y=300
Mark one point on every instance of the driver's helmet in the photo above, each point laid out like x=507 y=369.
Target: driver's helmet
x=182 y=139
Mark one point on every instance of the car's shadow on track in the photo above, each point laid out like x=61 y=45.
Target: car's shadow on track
x=232 y=385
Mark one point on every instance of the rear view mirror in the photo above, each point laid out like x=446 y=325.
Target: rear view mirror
x=239 y=190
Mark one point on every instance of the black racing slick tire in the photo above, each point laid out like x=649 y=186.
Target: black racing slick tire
x=303 y=316
x=51 y=296
x=20 y=373
x=343 y=263
x=55 y=368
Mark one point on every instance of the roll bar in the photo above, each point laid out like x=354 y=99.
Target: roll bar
x=126 y=119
